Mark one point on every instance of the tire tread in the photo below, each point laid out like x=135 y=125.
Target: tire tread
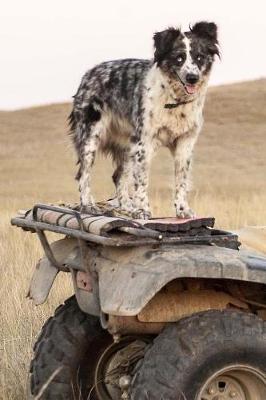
x=181 y=346
x=57 y=346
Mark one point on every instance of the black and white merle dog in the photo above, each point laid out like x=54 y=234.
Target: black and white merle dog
x=128 y=108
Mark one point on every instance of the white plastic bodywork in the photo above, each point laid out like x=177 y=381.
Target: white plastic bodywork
x=127 y=278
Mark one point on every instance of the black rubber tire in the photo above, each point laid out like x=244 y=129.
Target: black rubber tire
x=187 y=353
x=71 y=343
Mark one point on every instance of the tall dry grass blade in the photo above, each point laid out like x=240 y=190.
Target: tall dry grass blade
x=47 y=383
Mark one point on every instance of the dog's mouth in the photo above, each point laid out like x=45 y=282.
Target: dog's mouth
x=190 y=89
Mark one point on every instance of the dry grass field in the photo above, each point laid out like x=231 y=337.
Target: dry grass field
x=38 y=165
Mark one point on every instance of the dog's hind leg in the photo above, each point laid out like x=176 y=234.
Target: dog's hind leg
x=87 y=127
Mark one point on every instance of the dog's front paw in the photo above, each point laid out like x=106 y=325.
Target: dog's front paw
x=91 y=209
x=141 y=214
x=184 y=212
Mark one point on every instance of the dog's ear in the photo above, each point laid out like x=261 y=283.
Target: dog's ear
x=207 y=31
x=163 y=42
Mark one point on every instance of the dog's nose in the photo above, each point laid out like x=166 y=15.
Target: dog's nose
x=192 y=78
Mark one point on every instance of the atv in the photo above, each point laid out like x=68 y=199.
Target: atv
x=163 y=309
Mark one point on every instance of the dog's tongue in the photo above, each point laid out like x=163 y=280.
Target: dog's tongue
x=191 y=89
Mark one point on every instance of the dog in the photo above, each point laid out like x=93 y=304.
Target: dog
x=129 y=108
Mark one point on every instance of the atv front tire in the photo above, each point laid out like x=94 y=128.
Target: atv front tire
x=208 y=356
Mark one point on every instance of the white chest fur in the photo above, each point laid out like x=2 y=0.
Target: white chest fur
x=165 y=125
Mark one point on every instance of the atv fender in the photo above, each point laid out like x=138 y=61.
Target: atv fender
x=45 y=272
x=67 y=254
x=129 y=278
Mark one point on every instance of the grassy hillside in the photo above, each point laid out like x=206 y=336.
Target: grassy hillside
x=38 y=165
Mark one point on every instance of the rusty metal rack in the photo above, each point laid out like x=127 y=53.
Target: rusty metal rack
x=119 y=231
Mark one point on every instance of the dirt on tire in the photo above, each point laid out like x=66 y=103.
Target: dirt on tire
x=187 y=353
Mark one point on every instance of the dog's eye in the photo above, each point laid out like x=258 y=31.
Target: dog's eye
x=199 y=57
x=180 y=59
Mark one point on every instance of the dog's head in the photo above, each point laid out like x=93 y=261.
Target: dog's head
x=187 y=56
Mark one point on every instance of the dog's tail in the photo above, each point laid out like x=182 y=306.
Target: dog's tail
x=80 y=120
x=72 y=123
x=83 y=117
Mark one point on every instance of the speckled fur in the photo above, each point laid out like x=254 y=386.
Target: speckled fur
x=120 y=109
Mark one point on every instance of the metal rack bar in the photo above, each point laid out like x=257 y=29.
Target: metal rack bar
x=117 y=242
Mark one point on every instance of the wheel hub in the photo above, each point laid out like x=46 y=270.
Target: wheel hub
x=235 y=383
x=223 y=388
x=115 y=367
